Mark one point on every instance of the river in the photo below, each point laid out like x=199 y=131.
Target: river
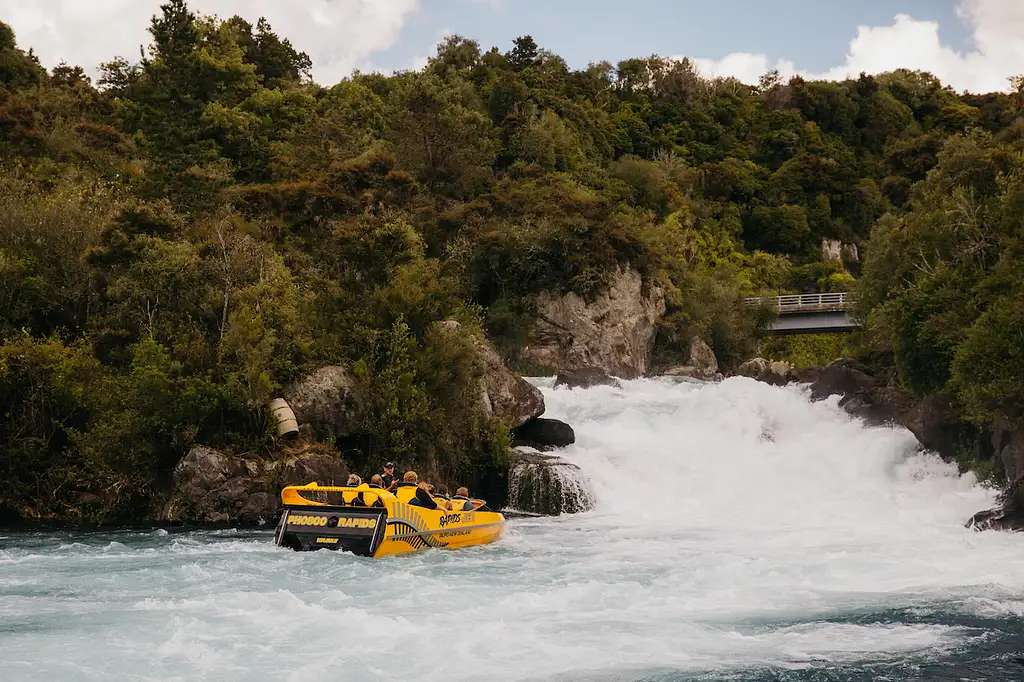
x=741 y=533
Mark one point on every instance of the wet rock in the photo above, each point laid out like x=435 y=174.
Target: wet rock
x=1008 y=515
x=585 y=377
x=544 y=433
x=545 y=484
x=614 y=332
x=776 y=374
x=849 y=253
x=752 y=368
x=330 y=400
x=861 y=394
x=213 y=487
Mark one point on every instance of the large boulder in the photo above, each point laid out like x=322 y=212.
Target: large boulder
x=330 y=400
x=702 y=358
x=213 y=487
x=752 y=368
x=614 y=332
x=585 y=377
x=504 y=395
x=860 y=393
x=546 y=484
x=216 y=488
x=776 y=374
x=324 y=468
x=544 y=433
x=702 y=363
x=939 y=426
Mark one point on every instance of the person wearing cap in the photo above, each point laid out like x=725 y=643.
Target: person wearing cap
x=388 y=478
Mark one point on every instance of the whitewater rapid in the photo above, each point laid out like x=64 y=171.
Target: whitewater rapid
x=740 y=532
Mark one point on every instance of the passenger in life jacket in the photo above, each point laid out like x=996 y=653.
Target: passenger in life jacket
x=353 y=481
x=422 y=497
x=389 y=480
x=442 y=493
x=461 y=501
x=375 y=484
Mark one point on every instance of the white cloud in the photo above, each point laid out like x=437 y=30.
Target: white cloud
x=998 y=50
x=338 y=36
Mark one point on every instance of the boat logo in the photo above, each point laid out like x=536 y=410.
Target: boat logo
x=342 y=521
x=449 y=518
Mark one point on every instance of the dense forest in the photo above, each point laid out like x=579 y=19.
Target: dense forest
x=198 y=228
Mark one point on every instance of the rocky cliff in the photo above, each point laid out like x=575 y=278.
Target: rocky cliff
x=614 y=332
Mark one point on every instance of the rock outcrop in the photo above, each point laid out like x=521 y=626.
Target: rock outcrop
x=506 y=396
x=831 y=249
x=835 y=250
x=776 y=373
x=702 y=363
x=703 y=358
x=1008 y=515
x=544 y=434
x=615 y=332
x=585 y=377
x=329 y=400
x=213 y=487
x=752 y=368
x=545 y=484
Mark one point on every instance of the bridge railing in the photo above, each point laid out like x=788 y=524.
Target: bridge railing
x=805 y=303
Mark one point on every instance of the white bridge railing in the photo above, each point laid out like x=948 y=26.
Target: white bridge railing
x=806 y=303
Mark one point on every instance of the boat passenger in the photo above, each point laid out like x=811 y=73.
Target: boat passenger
x=375 y=484
x=389 y=480
x=442 y=498
x=354 y=481
x=461 y=501
x=423 y=498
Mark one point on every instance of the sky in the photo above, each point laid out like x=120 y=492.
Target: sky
x=973 y=45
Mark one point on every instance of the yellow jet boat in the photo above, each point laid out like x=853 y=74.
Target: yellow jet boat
x=376 y=523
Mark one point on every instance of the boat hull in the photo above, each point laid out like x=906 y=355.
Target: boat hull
x=391 y=527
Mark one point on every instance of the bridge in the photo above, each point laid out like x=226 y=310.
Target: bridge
x=810 y=313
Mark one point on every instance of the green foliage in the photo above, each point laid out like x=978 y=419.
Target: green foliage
x=941 y=284
x=807 y=350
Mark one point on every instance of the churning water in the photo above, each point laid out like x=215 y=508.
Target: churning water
x=741 y=532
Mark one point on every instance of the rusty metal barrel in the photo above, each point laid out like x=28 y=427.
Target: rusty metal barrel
x=287 y=425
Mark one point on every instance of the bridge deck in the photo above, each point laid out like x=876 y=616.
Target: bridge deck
x=811 y=313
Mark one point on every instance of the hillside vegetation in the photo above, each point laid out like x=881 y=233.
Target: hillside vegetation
x=198 y=229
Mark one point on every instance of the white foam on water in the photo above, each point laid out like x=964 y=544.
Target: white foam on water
x=737 y=526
